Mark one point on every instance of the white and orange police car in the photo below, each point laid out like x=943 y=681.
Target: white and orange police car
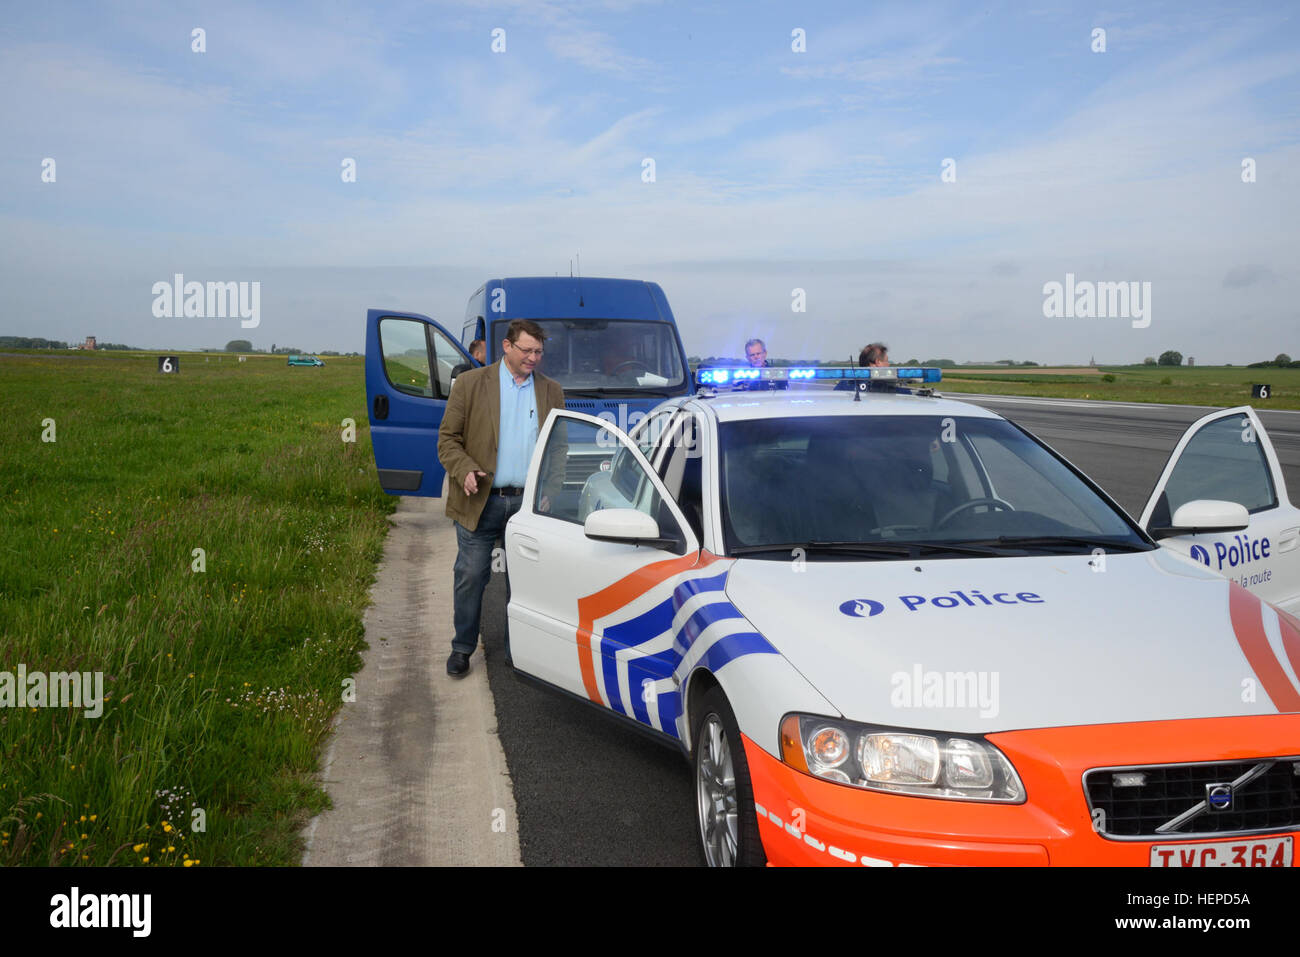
x=896 y=629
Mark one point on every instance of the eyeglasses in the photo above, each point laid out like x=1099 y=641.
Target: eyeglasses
x=537 y=353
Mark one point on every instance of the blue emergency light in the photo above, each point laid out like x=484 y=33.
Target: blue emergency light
x=738 y=376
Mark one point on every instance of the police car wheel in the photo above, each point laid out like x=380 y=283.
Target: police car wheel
x=724 y=797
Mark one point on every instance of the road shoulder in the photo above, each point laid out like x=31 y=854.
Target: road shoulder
x=414 y=766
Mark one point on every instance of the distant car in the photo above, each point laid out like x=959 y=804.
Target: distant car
x=901 y=630
x=305 y=361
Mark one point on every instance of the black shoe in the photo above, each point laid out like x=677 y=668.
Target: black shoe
x=458 y=664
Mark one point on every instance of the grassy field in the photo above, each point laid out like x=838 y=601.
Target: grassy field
x=1199 y=385
x=219 y=684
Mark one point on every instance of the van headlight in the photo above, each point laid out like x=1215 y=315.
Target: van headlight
x=929 y=764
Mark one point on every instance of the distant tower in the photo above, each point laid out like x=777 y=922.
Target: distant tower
x=1191 y=361
x=1092 y=361
x=90 y=343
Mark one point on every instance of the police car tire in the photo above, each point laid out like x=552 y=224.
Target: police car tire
x=749 y=846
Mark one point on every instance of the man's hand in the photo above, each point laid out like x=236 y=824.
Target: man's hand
x=545 y=504
x=471 y=482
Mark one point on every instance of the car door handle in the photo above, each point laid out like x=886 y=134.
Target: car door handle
x=1288 y=539
x=527 y=548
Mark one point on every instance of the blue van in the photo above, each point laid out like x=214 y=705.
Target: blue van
x=611 y=343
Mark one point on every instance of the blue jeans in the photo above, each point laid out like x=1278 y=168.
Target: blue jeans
x=474 y=567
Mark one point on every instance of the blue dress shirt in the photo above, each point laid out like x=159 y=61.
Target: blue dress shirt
x=518 y=434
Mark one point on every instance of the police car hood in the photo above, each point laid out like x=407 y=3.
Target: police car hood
x=990 y=644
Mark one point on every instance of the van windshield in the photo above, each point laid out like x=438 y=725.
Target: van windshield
x=608 y=355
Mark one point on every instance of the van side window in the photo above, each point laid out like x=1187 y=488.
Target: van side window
x=406 y=356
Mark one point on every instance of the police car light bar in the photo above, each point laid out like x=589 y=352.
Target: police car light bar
x=735 y=376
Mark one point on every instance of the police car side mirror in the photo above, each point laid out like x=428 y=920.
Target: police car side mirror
x=629 y=526
x=1204 y=515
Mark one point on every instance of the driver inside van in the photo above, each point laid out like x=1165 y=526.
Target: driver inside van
x=618 y=354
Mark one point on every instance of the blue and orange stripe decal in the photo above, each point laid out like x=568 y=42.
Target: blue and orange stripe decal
x=634 y=672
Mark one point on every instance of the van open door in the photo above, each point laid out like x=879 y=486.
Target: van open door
x=410 y=363
x=1227 y=456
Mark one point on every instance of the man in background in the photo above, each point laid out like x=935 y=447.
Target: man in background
x=876 y=354
x=478 y=352
x=756 y=354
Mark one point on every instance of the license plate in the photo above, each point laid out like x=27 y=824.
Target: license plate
x=1267 y=852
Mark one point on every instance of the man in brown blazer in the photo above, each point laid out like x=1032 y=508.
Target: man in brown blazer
x=486 y=441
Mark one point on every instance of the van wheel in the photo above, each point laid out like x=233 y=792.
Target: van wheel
x=724 y=797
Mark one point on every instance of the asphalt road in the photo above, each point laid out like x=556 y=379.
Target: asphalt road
x=589 y=791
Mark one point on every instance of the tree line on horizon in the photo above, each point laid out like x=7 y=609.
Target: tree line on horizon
x=234 y=345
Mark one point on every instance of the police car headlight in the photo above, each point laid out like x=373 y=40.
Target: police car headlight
x=963 y=768
x=899 y=758
x=828 y=748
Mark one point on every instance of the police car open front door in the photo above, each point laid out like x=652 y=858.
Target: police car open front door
x=410 y=363
x=586 y=614
x=1227 y=456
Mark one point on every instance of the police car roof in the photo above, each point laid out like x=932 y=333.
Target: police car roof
x=738 y=406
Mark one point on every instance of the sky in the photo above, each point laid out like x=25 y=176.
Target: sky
x=921 y=171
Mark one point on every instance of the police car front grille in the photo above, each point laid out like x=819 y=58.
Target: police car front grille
x=1269 y=800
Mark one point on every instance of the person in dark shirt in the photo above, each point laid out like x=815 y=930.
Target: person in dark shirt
x=756 y=354
x=478 y=352
x=876 y=354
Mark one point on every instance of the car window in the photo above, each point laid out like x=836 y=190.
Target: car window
x=585 y=468
x=870 y=478
x=625 y=473
x=406 y=356
x=1018 y=474
x=650 y=430
x=447 y=358
x=682 y=469
x=1223 y=461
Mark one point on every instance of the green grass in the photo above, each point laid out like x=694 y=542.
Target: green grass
x=1199 y=385
x=220 y=685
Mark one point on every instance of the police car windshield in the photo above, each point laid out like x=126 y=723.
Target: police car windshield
x=924 y=480
x=609 y=355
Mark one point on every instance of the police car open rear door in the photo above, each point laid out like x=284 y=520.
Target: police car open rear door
x=1227 y=456
x=410 y=361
